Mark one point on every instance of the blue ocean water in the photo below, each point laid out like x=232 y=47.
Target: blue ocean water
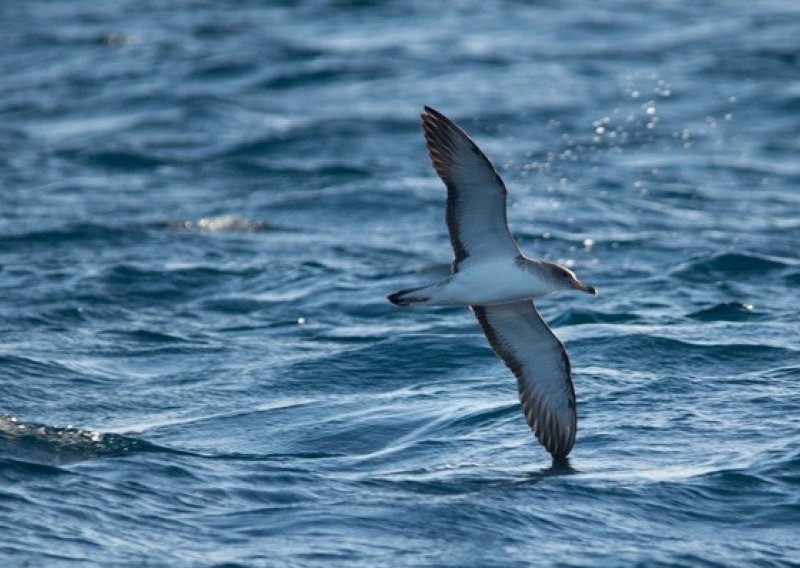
x=204 y=204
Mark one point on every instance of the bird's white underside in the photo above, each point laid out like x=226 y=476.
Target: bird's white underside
x=491 y=277
x=487 y=281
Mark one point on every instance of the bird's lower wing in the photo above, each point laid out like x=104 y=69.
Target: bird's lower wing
x=537 y=358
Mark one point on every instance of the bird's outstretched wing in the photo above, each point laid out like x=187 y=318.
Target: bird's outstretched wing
x=537 y=358
x=476 y=196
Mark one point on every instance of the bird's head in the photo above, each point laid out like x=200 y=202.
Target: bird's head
x=564 y=279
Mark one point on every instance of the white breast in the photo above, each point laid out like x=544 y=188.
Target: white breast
x=490 y=282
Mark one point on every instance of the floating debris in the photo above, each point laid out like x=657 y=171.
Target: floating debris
x=227 y=223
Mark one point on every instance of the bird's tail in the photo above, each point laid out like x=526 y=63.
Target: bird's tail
x=410 y=296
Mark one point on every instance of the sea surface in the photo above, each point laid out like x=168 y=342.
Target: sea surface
x=204 y=204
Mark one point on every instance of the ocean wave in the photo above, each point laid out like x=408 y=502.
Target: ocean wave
x=203 y=209
x=691 y=357
x=726 y=311
x=578 y=316
x=732 y=265
x=31 y=442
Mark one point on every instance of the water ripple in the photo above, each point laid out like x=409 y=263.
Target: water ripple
x=203 y=209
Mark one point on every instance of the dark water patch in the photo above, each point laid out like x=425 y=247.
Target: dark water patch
x=255 y=148
x=144 y=344
x=723 y=489
x=138 y=282
x=414 y=359
x=731 y=266
x=783 y=465
x=426 y=482
x=310 y=142
x=299 y=174
x=146 y=336
x=726 y=311
x=753 y=170
x=468 y=420
x=641 y=351
x=684 y=193
x=76 y=233
x=121 y=160
x=223 y=70
x=295 y=51
x=730 y=483
x=22 y=369
x=771 y=62
x=577 y=316
x=63 y=315
x=785 y=373
x=234 y=306
x=10 y=466
x=163 y=284
x=80 y=312
x=276 y=457
x=359 y=434
x=300 y=78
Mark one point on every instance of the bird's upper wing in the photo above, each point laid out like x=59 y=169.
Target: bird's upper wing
x=476 y=196
x=537 y=358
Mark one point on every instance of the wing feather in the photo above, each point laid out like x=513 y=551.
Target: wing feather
x=540 y=363
x=476 y=196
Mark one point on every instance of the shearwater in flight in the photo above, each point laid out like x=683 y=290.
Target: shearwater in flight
x=499 y=283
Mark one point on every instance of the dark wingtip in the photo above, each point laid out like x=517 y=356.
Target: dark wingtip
x=431 y=110
x=559 y=455
x=404 y=297
x=397 y=298
x=401 y=298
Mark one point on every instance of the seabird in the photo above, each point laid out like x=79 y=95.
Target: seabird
x=499 y=284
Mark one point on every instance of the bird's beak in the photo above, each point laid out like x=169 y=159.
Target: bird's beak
x=583 y=288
